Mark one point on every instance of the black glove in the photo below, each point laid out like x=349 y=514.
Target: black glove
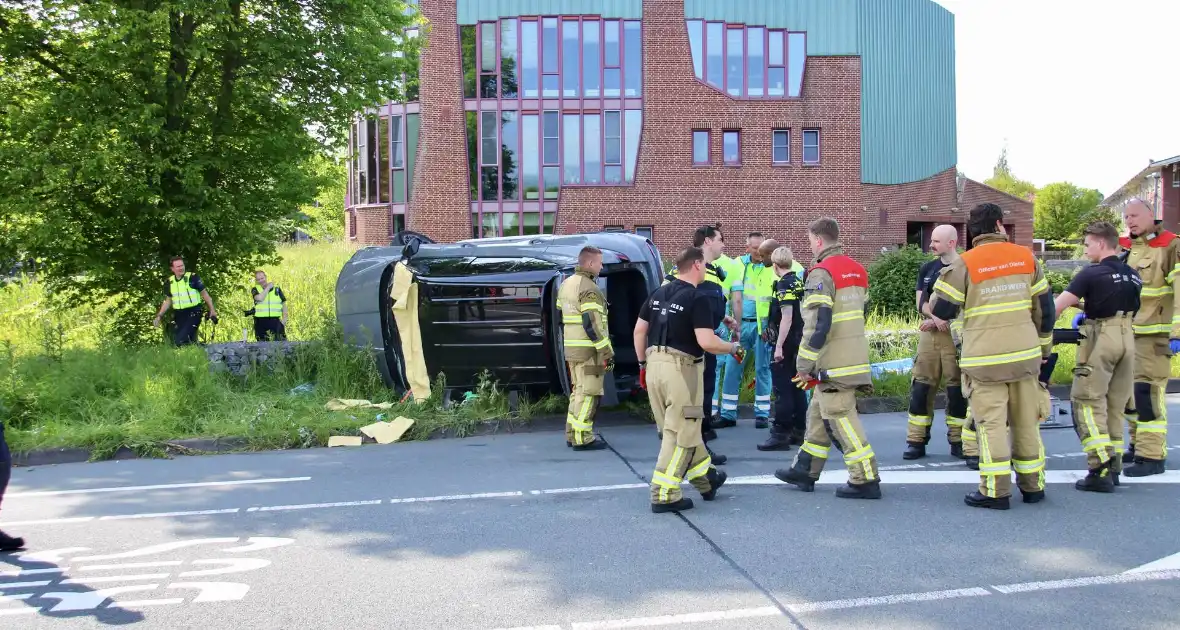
x=249 y=312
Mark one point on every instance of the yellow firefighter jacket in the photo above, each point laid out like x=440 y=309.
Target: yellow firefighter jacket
x=996 y=284
x=834 y=347
x=583 y=316
x=1156 y=256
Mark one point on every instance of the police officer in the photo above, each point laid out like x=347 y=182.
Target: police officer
x=7 y=543
x=588 y=351
x=1155 y=254
x=1103 y=377
x=676 y=326
x=183 y=292
x=1007 y=311
x=270 y=309
x=936 y=359
x=834 y=360
x=784 y=332
x=757 y=281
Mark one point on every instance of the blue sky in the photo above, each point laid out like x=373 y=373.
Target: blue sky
x=1077 y=90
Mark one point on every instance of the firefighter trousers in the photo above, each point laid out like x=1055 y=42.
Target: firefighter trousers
x=1147 y=413
x=1004 y=411
x=936 y=360
x=832 y=420
x=585 y=392
x=1101 y=390
x=675 y=391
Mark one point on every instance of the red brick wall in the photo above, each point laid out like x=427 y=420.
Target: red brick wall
x=889 y=208
x=440 y=206
x=1020 y=211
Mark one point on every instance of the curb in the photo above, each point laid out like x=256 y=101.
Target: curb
x=605 y=418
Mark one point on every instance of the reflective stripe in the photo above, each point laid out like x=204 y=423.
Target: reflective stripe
x=817 y=299
x=808 y=353
x=1155 y=292
x=1173 y=272
x=578 y=343
x=1046 y=341
x=590 y=306
x=855 y=457
x=851 y=370
x=858 y=450
x=700 y=470
x=1000 y=359
x=997 y=308
x=951 y=292
x=1151 y=329
x=1041 y=286
x=952 y=421
x=848 y=316
x=922 y=421
x=1028 y=466
x=1155 y=426
x=270 y=306
x=995 y=468
x=183 y=294
x=602 y=343
x=815 y=449
x=571 y=319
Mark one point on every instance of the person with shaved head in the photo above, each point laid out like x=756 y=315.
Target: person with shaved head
x=1154 y=253
x=937 y=358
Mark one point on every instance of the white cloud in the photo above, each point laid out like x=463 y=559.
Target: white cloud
x=1081 y=91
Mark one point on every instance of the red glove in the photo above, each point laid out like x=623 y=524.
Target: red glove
x=643 y=377
x=739 y=354
x=805 y=381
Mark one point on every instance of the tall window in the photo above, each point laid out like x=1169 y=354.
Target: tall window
x=731 y=142
x=811 y=146
x=748 y=61
x=700 y=147
x=780 y=151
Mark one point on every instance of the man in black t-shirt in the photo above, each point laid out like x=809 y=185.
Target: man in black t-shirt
x=676 y=326
x=784 y=332
x=1104 y=371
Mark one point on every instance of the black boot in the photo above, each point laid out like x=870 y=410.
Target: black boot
x=870 y=490
x=761 y=423
x=683 y=504
x=722 y=423
x=1144 y=467
x=776 y=442
x=708 y=435
x=796 y=438
x=957 y=450
x=797 y=478
x=1129 y=455
x=976 y=499
x=716 y=479
x=914 y=451
x=10 y=543
x=597 y=445
x=1095 y=481
x=972 y=462
x=1032 y=497
x=718 y=459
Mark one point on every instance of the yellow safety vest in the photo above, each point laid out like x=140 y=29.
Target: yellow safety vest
x=271 y=305
x=183 y=294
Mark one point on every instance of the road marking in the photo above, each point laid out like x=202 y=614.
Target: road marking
x=165 y=486
x=132 y=565
x=459 y=497
x=50 y=521
x=621 y=486
x=117 y=517
x=114 y=578
x=140 y=603
x=12 y=585
x=947 y=477
x=33 y=572
x=161 y=548
x=311 y=506
x=1172 y=562
x=863 y=602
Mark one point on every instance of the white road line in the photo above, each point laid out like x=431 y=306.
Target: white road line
x=1121 y=578
x=946 y=477
x=117 y=517
x=165 y=486
x=33 y=572
x=139 y=603
x=4 y=598
x=12 y=585
x=133 y=565
x=862 y=602
x=459 y=497
x=621 y=486
x=311 y=506
x=1163 y=564
x=114 y=578
x=50 y=521
x=668 y=620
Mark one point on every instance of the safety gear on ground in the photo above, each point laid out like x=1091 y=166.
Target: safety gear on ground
x=271 y=305
x=1078 y=319
x=588 y=350
x=676 y=383
x=752 y=347
x=998 y=286
x=833 y=321
x=1102 y=385
x=999 y=409
x=183 y=294
x=832 y=421
x=404 y=294
x=1147 y=410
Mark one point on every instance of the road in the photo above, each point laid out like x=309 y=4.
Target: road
x=520 y=532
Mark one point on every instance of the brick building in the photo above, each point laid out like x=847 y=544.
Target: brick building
x=656 y=116
x=1158 y=184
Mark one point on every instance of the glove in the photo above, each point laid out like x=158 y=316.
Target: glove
x=609 y=364
x=643 y=377
x=740 y=354
x=1078 y=319
x=805 y=381
x=1174 y=346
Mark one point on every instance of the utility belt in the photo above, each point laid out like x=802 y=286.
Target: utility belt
x=668 y=354
x=1120 y=317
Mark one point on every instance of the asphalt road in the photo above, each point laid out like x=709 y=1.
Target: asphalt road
x=521 y=532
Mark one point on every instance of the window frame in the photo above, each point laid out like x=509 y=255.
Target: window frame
x=708 y=147
x=738 y=136
x=651 y=232
x=818 y=147
x=774 y=134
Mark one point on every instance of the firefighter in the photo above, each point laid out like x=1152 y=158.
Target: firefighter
x=676 y=327
x=588 y=351
x=936 y=359
x=784 y=332
x=834 y=361
x=183 y=293
x=1155 y=254
x=1103 y=376
x=1007 y=311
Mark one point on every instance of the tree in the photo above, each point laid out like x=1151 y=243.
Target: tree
x=1003 y=179
x=325 y=215
x=1063 y=210
x=135 y=130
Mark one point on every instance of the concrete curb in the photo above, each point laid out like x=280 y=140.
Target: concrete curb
x=605 y=418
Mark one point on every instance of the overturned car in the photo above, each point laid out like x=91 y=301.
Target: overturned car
x=490 y=304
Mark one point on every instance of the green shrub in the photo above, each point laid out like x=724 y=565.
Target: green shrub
x=1058 y=280
x=891 y=281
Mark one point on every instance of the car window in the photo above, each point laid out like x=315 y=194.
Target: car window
x=469 y=266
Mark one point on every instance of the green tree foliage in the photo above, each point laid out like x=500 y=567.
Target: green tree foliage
x=892 y=280
x=135 y=130
x=325 y=216
x=1063 y=210
x=1003 y=179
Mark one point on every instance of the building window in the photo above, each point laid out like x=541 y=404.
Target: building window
x=487 y=60
x=467 y=46
x=700 y=147
x=612 y=156
x=613 y=228
x=811 y=146
x=748 y=61
x=780 y=150
x=646 y=231
x=508 y=67
x=731 y=147
x=529 y=71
